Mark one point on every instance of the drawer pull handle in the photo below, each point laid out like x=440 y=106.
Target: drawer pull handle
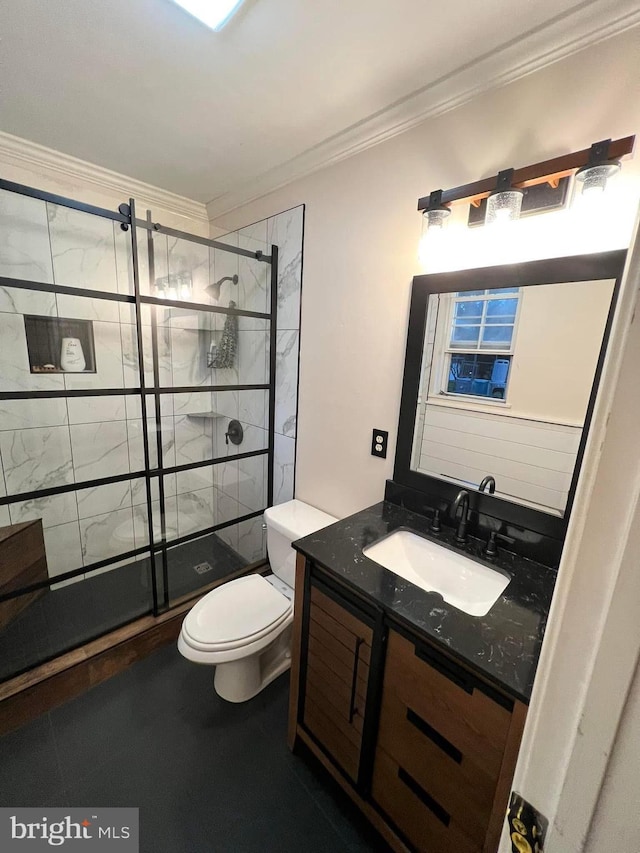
x=433 y=806
x=446 y=746
x=354 y=681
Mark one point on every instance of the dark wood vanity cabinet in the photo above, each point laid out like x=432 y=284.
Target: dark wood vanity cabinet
x=423 y=746
x=336 y=679
x=441 y=763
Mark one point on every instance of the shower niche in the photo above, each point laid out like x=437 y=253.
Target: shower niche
x=59 y=345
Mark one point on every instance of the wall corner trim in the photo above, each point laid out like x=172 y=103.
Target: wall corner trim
x=24 y=153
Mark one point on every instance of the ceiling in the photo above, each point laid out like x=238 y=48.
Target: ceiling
x=289 y=85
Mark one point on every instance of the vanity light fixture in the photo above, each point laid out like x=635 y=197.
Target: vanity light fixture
x=505 y=202
x=594 y=166
x=214 y=13
x=436 y=214
x=599 y=169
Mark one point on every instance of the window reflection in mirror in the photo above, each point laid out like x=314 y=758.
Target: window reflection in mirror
x=506 y=379
x=476 y=341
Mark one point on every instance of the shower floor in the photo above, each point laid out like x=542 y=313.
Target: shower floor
x=61 y=619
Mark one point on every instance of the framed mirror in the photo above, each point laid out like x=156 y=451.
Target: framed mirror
x=501 y=374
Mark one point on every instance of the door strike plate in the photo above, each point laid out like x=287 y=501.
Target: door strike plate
x=527 y=827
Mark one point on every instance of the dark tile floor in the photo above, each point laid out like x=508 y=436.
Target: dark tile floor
x=61 y=619
x=206 y=775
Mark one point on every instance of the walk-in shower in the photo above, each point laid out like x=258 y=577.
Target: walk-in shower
x=128 y=352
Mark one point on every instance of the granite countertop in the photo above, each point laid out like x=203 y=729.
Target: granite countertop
x=502 y=646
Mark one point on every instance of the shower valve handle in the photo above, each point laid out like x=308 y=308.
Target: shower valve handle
x=234 y=432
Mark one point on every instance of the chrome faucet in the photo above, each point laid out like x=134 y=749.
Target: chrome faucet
x=488 y=481
x=461 y=500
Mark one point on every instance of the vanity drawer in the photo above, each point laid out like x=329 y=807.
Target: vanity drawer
x=449 y=702
x=337 y=675
x=464 y=790
x=418 y=818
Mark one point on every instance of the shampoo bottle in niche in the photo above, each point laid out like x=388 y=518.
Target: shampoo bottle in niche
x=71 y=356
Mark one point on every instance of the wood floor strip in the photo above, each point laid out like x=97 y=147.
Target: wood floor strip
x=51 y=684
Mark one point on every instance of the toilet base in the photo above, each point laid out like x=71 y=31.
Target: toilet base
x=241 y=680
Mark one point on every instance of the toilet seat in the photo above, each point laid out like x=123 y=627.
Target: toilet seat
x=244 y=627
x=236 y=614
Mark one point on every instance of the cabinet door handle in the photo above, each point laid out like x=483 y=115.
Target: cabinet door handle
x=354 y=683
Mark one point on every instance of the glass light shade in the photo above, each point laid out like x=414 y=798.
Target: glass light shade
x=594 y=178
x=504 y=206
x=435 y=219
x=175 y=286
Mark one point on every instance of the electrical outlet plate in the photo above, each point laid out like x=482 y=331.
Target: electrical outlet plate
x=527 y=827
x=379 y=441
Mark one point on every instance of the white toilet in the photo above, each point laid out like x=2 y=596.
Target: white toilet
x=243 y=627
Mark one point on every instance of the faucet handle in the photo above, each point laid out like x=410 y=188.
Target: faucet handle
x=434 y=515
x=492 y=549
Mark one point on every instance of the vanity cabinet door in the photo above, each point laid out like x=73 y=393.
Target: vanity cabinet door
x=440 y=750
x=336 y=679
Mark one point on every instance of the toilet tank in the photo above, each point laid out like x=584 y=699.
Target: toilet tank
x=285 y=523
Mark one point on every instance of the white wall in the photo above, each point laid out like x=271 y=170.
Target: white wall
x=361 y=237
x=592 y=641
x=557 y=345
x=614 y=824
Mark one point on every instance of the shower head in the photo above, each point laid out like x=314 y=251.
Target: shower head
x=214 y=289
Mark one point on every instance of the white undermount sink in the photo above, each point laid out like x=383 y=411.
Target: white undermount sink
x=467 y=585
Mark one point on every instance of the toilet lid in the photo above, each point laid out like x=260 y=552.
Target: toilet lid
x=235 y=611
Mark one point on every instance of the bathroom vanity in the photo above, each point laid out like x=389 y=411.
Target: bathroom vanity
x=416 y=642
x=415 y=707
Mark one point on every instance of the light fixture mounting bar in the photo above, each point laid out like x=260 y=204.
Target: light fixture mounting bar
x=527 y=176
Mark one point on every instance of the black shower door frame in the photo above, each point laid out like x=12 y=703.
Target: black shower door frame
x=149 y=396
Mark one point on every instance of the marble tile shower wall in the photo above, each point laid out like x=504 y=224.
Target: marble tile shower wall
x=62 y=441
x=286 y=231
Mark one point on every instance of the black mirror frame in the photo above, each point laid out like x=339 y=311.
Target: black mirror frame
x=605 y=265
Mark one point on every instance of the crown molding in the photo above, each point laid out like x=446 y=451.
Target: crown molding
x=585 y=25
x=19 y=152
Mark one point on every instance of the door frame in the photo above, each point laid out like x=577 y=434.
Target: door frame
x=592 y=642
